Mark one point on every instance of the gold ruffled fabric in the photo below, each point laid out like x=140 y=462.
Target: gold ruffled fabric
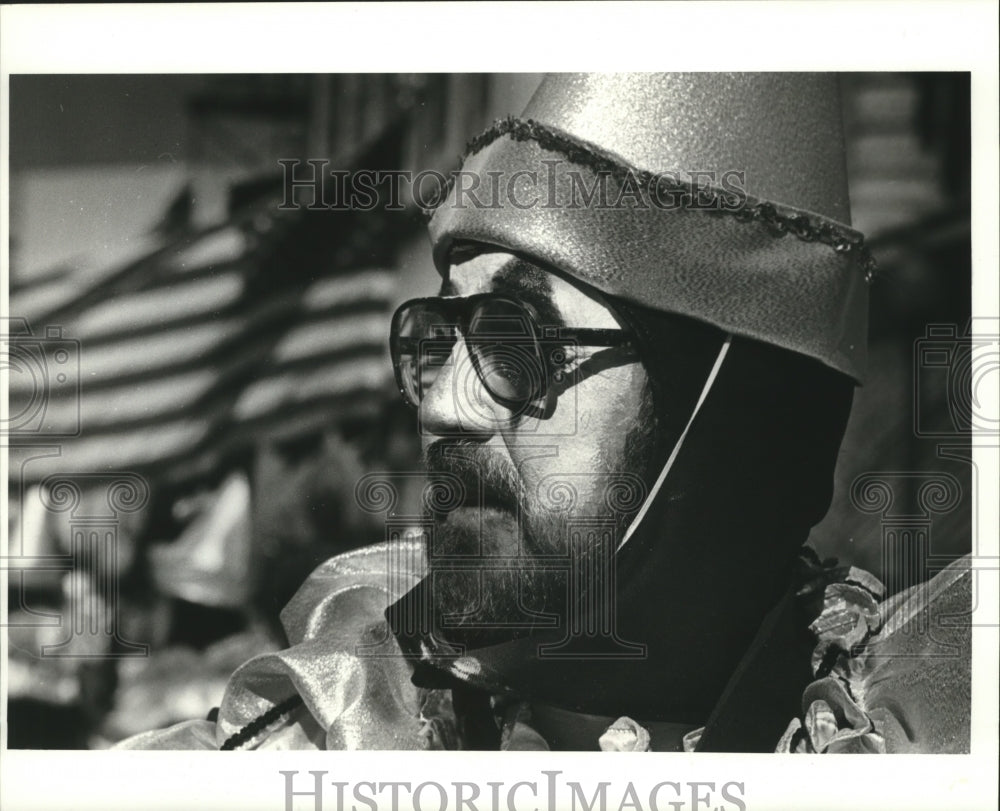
x=342 y=661
x=891 y=676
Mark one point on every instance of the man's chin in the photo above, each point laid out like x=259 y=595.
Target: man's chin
x=492 y=605
x=477 y=531
x=479 y=570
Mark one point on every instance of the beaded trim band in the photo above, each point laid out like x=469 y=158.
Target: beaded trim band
x=260 y=723
x=801 y=226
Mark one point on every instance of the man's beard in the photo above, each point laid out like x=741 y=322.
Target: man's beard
x=500 y=558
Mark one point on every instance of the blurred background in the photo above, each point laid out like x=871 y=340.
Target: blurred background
x=232 y=355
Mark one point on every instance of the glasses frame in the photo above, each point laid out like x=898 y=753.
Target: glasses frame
x=461 y=312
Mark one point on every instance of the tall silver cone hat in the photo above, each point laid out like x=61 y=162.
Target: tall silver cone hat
x=724 y=199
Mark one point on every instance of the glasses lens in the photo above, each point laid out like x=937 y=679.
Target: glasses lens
x=423 y=343
x=502 y=340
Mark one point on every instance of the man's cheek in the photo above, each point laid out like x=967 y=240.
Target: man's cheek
x=606 y=398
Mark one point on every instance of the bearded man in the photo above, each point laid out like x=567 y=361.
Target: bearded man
x=631 y=390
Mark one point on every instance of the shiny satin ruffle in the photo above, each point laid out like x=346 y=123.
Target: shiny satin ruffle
x=342 y=660
x=900 y=679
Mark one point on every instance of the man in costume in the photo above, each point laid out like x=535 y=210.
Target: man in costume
x=631 y=391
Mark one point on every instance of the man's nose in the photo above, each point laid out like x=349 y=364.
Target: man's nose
x=457 y=402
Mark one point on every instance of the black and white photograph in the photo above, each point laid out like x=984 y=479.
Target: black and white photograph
x=458 y=411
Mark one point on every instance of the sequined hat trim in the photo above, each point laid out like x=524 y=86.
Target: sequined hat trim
x=778 y=221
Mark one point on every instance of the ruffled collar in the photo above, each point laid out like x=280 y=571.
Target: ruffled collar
x=834 y=720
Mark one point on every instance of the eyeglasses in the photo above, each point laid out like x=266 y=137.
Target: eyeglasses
x=516 y=359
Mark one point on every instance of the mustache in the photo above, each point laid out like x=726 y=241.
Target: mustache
x=489 y=480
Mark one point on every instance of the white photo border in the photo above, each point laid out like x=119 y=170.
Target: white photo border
x=307 y=38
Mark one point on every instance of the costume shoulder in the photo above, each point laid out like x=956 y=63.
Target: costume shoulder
x=891 y=676
x=342 y=683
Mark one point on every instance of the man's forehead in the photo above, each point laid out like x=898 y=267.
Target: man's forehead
x=497 y=271
x=557 y=300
